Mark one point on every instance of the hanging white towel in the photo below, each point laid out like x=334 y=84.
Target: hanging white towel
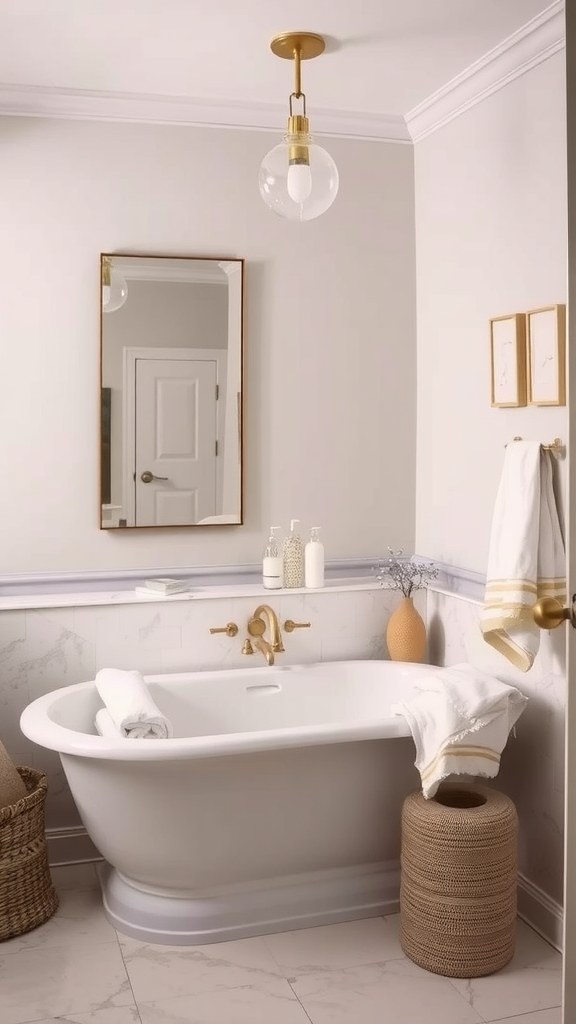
x=130 y=705
x=460 y=721
x=527 y=559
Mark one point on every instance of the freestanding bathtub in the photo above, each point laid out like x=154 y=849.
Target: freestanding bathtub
x=276 y=805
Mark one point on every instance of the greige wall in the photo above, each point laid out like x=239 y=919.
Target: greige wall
x=491 y=235
x=330 y=336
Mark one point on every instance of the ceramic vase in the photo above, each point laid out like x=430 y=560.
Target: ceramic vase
x=406 y=633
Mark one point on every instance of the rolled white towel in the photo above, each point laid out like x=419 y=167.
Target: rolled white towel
x=130 y=706
x=105 y=726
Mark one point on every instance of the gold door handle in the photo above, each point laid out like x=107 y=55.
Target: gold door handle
x=290 y=625
x=230 y=629
x=548 y=613
x=147 y=477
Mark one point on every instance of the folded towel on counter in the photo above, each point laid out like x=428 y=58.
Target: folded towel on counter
x=527 y=558
x=130 y=705
x=12 y=786
x=460 y=722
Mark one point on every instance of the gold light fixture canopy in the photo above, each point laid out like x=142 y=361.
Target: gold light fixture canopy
x=306 y=44
x=298 y=179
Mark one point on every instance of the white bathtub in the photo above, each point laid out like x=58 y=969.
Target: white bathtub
x=276 y=805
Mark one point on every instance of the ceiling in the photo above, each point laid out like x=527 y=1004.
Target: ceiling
x=383 y=57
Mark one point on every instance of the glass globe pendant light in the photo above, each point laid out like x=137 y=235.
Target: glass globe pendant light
x=114 y=287
x=298 y=179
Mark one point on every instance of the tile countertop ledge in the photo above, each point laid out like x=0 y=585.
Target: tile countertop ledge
x=14 y=602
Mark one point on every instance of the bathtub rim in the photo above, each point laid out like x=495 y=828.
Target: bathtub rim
x=37 y=726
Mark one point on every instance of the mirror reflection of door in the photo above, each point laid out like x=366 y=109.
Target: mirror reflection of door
x=172 y=360
x=175 y=424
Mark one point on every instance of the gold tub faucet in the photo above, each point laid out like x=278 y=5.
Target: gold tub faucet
x=257 y=628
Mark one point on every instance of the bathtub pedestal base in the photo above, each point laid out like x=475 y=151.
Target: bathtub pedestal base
x=326 y=897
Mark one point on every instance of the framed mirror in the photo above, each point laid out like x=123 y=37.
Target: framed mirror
x=171 y=423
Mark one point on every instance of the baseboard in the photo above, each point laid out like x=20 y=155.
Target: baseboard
x=540 y=911
x=70 y=845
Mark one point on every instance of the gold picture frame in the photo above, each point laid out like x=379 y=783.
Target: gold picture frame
x=546 y=355
x=508 y=361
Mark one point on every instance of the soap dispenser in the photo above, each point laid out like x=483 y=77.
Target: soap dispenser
x=293 y=557
x=314 y=561
x=272 y=569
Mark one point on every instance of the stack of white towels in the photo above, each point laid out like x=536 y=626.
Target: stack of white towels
x=129 y=710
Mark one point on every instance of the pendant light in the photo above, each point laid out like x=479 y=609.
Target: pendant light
x=298 y=179
x=114 y=287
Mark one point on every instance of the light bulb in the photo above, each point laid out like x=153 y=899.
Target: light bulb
x=299 y=182
x=115 y=293
x=302 y=190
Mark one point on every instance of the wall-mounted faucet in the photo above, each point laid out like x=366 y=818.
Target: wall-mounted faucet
x=257 y=629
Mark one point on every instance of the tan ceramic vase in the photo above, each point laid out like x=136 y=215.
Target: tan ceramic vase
x=406 y=633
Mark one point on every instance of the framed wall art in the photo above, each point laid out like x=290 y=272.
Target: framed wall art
x=508 y=360
x=546 y=350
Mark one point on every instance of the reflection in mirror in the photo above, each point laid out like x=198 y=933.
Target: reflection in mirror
x=171 y=391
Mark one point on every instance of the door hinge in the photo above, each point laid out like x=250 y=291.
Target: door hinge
x=216 y=447
x=217 y=392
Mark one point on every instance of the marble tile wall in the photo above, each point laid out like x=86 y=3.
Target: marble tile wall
x=532 y=769
x=46 y=648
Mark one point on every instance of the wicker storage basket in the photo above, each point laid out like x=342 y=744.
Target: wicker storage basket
x=27 y=896
x=458 y=881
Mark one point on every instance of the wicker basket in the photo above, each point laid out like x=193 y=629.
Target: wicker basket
x=27 y=896
x=458 y=881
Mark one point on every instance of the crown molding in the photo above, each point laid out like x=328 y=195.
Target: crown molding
x=532 y=44
x=82 y=105
x=190 y=273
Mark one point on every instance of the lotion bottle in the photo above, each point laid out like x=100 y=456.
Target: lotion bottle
x=314 y=561
x=272 y=569
x=293 y=557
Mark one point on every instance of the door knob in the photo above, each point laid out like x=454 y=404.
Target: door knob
x=548 y=613
x=147 y=477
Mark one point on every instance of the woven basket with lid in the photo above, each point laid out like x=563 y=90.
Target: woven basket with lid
x=27 y=895
x=458 y=881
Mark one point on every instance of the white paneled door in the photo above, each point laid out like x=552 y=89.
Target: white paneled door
x=175 y=441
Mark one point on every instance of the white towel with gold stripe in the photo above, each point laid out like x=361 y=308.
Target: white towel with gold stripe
x=460 y=720
x=527 y=558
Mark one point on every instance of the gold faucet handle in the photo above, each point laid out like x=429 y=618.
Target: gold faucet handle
x=256 y=626
x=247 y=647
x=231 y=629
x=290 y=625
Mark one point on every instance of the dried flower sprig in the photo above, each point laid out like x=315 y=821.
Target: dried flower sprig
x=403 y=574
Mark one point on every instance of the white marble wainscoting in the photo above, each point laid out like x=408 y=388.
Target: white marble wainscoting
x=532 y=768
x=76 y=969
x=44 y=648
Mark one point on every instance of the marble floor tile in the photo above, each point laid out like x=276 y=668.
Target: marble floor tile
x=396 y=991
x=351 y=944
x=79 y=921
x=553 y=1016
x=271 y=1003
x=531 y=981
x=38 y=984
x=110 y=1015
x=162 y=972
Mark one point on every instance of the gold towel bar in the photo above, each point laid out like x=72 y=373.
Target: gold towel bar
x=556 y=447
